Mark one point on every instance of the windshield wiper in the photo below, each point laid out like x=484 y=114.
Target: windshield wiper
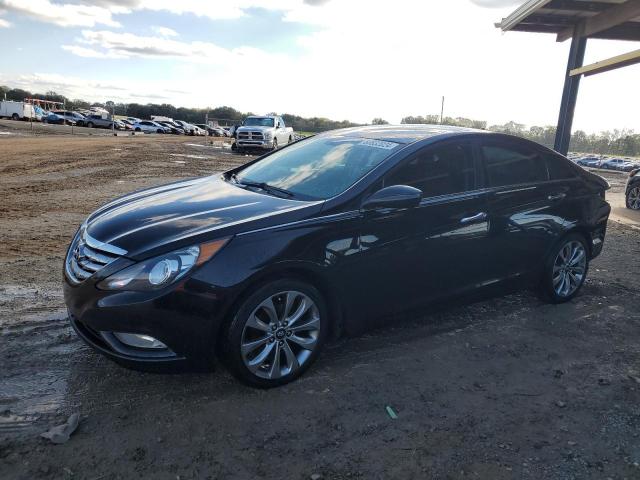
x=262 y=186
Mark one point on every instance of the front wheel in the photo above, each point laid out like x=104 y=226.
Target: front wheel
x=276 y=334
x=275 y=143
x=566 y=269
x=633 y=198
x=15 y=116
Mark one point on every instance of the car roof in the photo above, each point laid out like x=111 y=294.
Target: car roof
x=408 y=133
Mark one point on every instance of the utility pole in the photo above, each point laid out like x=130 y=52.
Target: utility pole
x=442 y=110
x=113 y=120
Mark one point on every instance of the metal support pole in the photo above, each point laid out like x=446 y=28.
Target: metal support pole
x=569 y=93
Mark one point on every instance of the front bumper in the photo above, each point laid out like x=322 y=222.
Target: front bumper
x=185 y=321
x=263 y=144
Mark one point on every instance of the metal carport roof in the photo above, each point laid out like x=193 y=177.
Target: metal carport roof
x=579 y=20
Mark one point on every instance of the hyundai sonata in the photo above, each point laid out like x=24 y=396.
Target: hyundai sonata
x=261 y=264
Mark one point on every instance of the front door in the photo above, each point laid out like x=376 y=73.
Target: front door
x=410 y=256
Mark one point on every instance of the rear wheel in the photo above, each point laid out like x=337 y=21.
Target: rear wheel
x=566 y=269
x=15 y=116
x=276 y=334
x=633 y=198
x=90 y=125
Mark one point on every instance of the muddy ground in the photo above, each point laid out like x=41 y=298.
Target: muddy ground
x=507 y=387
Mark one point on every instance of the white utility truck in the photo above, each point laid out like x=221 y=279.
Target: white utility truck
x=16 y=110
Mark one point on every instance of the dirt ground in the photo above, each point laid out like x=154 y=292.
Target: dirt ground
x=507 y=387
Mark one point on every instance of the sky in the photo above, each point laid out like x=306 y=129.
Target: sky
x=341 y=59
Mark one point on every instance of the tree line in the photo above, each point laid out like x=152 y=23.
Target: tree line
x=611 y=142
x=227 y=115
x=616 y=142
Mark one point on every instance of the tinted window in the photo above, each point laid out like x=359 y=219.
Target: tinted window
x=319 y=167
x=437 y=171
x=559 y=168
x=512 y=164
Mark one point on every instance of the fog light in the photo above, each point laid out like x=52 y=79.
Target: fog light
x=138 y=340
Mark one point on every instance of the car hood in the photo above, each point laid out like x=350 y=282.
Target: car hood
x=259 y=129
x=159 y=219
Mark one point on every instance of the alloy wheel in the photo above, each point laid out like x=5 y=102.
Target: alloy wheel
x=280 y=335
x=633 y=199
x=569 y=268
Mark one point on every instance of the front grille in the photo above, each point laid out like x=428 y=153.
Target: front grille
x=250 y=136
x=88 y=256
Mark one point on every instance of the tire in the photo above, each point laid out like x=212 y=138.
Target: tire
x=290 y=139
x=271 y=334
x=15 y=116
x=565 y=270
x=138 y=129
x=275 y=143
x=90 y=125
x=633 y=197
x=159 y=131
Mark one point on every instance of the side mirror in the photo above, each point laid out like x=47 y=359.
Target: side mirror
x=395 y=196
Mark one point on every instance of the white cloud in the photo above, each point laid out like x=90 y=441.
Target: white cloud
x=4 y=23
x=363 y=60
x=90 y=52
x=64 y=15
x=164 y=31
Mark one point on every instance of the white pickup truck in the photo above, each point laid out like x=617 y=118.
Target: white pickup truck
x=268 y=133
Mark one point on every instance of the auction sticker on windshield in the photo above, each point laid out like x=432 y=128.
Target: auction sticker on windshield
x=378 y=144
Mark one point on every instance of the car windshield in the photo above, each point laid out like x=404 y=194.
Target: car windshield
x=319 y=167
x=258 y=122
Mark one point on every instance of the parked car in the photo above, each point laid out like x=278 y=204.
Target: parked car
x=72 y=117
x=54 y=118
x=147 y=126
x=593 y=162
x=16 y=110
x=632 y=190
x=98 y=121
x=263 y=263
x=188 y=128
x=617 y=164
x=266 y=133
x=173 y=128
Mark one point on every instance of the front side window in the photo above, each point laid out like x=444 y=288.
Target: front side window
x=512 y=165
x=559 y=168
x=439 y=170
x=319 y=167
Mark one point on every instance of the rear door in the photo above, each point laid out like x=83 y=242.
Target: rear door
x=521 y=205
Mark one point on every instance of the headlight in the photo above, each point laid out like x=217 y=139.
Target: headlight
x=158 y=272
x=268 y=135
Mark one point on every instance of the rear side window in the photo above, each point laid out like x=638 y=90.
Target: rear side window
x=440 y=170
x=559 y=168
x=512 y=165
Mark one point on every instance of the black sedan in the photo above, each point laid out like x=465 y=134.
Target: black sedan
x=263 y=263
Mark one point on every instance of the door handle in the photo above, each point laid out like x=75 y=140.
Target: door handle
x=475 y=218
x=556 y=196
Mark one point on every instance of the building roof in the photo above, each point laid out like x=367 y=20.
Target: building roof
x=406 y=133
x=604 y=19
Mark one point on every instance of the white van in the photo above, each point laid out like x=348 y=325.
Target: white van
x=16 y=110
